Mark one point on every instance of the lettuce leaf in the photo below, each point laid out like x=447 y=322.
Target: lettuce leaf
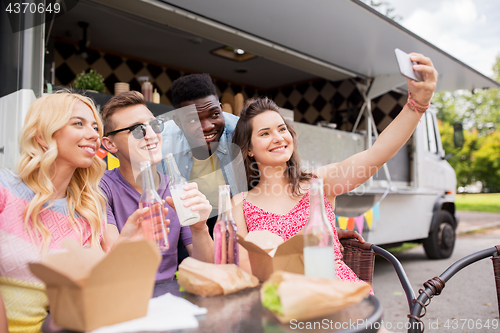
x=271 y=299
x=177 y=278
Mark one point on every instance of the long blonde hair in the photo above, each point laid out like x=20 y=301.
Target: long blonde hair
x=45 y=117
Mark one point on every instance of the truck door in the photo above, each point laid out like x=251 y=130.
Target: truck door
x=433 y=175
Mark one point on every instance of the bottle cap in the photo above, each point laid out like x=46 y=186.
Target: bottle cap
x=316 y=182
x=224 y=188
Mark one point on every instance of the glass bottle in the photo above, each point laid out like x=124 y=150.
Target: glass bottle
x=225 y=244
x=176 y=184
x=319 y=256
x=153 y=227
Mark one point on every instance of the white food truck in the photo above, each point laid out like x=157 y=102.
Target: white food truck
x=331 y=62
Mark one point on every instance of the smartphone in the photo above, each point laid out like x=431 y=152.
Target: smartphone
x=406 y=66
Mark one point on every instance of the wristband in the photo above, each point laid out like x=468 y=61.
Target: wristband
x=415 y=106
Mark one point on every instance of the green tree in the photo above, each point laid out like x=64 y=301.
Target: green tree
x=445 y=104
x=478 y=109
x=496 y=69
x=479 y=112
x=464 y=166
x=461 y=158
x=486 y=161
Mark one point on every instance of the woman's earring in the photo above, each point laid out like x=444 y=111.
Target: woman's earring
x=250 y=155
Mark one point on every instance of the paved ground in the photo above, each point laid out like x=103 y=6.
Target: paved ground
x=469 y=221
x=469 y=300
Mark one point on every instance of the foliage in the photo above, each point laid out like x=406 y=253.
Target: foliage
x=496 y=69
x=479 y=111
x=461 y=159
x=90 y=81
x=445 y=104
x=486 y=161
x=477 y=160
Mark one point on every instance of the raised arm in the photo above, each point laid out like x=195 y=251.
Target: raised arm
x=345 y=176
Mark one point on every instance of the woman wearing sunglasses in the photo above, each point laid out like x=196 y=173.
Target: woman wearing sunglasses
x=52 y=195
x=133 y=134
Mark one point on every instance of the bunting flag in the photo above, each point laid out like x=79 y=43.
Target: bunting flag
x=101 y=153
x=376 y=215
x=376 y=211
x=360 y=222
x=350 y=224
x=372 y=216
x=113 y=162
x=369 y=218
x=343 y=222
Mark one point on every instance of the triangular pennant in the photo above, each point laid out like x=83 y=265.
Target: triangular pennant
x=369 y=218
x=101 y=153
x=360 y=222
x=113 y=162
x=343 y=222
x=376 y=211
x=350 y=224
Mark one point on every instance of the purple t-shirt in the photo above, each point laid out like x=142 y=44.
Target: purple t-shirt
x=123 y=200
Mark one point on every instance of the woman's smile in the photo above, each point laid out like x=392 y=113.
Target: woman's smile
x=272 y=143
x=278 y=149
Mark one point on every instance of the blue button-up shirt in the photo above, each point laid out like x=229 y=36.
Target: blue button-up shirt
x=176 y=143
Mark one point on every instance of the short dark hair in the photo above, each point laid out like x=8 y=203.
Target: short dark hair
x=120 y=101
x=192 y=87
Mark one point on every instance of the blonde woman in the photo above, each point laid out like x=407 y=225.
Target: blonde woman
x=52 y=195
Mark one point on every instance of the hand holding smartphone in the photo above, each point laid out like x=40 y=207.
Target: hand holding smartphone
x=406 y=66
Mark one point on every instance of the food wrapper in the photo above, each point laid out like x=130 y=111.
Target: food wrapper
x=304 y=298
x=206 y=279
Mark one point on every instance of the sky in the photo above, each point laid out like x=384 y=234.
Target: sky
x=468 y=30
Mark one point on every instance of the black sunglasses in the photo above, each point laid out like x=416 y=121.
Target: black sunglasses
x=139 y=130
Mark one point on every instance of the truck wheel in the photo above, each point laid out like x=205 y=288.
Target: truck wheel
x=441 y=240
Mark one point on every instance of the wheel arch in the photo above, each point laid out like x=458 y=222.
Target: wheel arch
x=442 y=233
x=442 y=204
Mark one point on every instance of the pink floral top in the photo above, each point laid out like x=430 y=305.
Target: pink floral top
x=290 y=224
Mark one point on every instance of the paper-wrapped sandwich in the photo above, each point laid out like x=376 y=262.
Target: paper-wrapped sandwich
x=206 y=279
x=294 y=296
